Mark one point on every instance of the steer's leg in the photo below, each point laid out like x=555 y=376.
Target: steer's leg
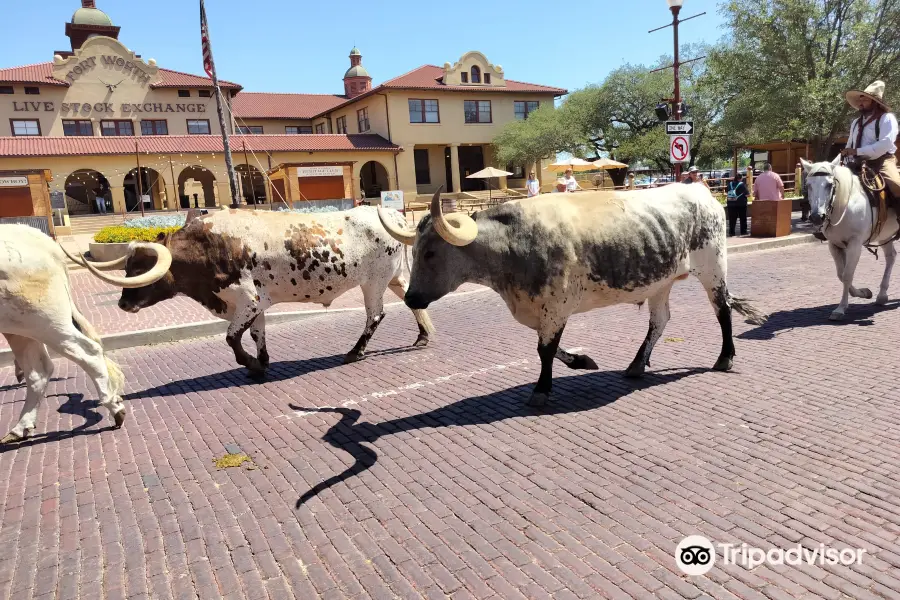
x=659 y=316
x=258 y=334
x=890 y=255
x=20 y=374
x=710 y=268
x=548 y=344
x=399 y=284
x=243 y=318
x=37 y=368
x=373 y=296
x=88 y=355
x=851 y=259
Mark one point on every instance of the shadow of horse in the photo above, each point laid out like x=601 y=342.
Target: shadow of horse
x=815 y=316
x=349 y=436
x=74 y=405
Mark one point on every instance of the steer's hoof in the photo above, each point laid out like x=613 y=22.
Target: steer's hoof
x=583 y=362
x=421 y=342
x=119 y=418
x=881 y=300
x=864 y=293
x=724 y=363
x=353 y=357
x=836 y=316
x=11 y=438
x=538 y=399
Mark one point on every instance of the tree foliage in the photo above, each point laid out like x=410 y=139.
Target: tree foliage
x=617 y=119
x=786 y=65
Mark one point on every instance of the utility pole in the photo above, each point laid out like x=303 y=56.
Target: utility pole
x=675 y=101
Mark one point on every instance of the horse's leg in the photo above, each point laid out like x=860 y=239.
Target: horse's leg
x=851 y=259
x=890 y=253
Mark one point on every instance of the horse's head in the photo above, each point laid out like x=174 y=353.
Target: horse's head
x=827 y=190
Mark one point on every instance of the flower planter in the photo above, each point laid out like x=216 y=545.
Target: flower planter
x=107 y=252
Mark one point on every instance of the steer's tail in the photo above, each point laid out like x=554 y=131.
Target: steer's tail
x=743 y=306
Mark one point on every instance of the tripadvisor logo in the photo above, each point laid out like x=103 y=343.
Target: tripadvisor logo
x=696 y=555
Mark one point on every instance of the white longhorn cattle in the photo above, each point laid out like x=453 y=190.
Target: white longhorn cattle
x=37 y=312
x=555 y=255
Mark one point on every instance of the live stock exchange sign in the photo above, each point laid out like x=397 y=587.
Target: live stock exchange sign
x=85 y=108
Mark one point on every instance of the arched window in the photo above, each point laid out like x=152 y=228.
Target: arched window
x=476 y=75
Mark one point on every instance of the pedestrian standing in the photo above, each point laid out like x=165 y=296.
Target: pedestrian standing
x=569 y=180
x=768 y=186
x=532 y=185
x=737 y=204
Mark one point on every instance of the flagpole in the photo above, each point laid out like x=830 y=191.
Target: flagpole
x=209 y=65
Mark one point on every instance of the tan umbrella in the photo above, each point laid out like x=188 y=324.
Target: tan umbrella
x=488 y=173
x=608 y=163
x=576 y=164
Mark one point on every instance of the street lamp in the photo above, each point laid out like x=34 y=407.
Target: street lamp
x=675 y=7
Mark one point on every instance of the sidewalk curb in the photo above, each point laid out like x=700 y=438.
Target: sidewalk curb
x=772 y=244
x=188 y=331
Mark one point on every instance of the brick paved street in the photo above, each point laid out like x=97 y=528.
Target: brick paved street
x=456 y=489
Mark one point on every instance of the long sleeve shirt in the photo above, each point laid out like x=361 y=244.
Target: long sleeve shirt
x=871 y=147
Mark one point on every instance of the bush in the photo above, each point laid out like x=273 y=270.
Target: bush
x=119 y=234
x=311 y=209
x=157 y=221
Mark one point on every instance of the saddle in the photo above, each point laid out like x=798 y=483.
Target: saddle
x=880 y=196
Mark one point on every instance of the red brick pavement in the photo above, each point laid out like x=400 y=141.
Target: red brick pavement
x=461 y=490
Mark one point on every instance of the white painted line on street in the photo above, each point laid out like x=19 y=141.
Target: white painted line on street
x=411 y=386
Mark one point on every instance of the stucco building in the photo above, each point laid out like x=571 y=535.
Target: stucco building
x=98 y=109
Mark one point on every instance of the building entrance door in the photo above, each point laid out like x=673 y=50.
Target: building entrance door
x=471 y=160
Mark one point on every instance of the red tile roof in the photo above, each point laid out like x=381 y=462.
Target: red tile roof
x=257 y=105
x=430 y=77
x=41 y=73
x=170 y=144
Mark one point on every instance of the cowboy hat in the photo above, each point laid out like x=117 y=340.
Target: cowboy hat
x=875 y=92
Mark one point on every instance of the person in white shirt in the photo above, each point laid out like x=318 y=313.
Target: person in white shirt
x=873 y=134
x=532 y=185
x=569 y=180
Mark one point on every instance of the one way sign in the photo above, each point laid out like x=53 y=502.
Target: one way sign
x=682 y=127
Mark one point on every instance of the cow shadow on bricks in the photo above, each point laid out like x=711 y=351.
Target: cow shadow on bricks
x=74 y=405
x=571 y=394
x=861 y=314
x=240 y=377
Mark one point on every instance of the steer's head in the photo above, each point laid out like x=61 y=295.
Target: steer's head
x=147 y=278
x=440 y=263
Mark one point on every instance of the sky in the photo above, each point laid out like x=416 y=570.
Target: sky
x=293 y=46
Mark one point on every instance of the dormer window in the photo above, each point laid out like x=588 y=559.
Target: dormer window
x=487 y=78
x=476 y=75
x=464 y=77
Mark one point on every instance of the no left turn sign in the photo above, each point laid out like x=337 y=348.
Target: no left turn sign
x=679 y=148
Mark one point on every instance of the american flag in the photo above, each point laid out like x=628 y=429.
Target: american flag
x=208 y=64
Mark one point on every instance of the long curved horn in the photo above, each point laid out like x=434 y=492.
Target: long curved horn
x=159 y=270
x=456 y=229
x=404 y=236
x=110 y=265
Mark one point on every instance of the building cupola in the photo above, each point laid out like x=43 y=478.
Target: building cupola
x=356 y=79
x=87 y=22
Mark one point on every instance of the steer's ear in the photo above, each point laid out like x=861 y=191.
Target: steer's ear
x=161 y=238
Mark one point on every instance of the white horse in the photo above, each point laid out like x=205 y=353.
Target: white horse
x=839 y=204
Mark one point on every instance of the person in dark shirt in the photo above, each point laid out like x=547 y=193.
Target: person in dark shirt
x=737 y=204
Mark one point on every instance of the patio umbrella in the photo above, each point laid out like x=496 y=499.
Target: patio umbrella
x=576 y=164
x=488 y=173
x=608 y=163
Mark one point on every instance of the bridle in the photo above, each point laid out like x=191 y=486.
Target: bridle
x=826 y=221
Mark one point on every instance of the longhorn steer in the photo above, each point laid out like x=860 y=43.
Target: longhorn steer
x=555 y=255
x=36 y=311
x=238 y=263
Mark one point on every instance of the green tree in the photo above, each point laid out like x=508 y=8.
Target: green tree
x=786 y=65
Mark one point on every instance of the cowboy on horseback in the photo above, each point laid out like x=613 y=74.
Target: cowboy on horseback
x=873 y=136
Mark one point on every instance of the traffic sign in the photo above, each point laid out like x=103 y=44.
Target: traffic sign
x=683 y=127
x=679 y=148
